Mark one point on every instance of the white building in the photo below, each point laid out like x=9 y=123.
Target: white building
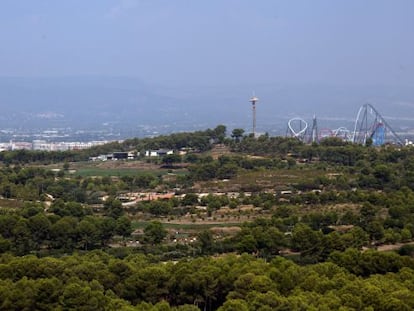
x=158 y=153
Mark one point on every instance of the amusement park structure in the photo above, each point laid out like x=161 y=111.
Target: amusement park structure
x=297 y=127
x=369 y=126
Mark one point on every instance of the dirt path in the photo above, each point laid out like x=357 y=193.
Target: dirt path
x=392 y=247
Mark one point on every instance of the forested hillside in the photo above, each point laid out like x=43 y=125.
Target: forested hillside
x=223 y=223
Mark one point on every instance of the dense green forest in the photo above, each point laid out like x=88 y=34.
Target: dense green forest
x=241 y=223
x=98 y=281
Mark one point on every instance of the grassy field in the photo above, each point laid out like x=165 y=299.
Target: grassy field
x=187 y=226
x=120 y=168
x=101 y=172
x=254 y=180
x=11 y=203
x=278 y=177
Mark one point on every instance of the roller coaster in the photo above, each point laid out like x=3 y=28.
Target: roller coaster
x=297 y=127
x=370 y=127
x=369 y=124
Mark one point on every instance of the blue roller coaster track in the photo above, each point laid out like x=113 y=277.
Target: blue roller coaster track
x=369 y=124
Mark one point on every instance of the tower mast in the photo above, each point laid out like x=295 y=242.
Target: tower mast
x=253 y=100
x=314 y=133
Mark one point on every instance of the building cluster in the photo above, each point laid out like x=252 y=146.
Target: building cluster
x=43 y=145
x=131 y=155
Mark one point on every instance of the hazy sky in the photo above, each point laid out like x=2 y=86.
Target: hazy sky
x=211 y=42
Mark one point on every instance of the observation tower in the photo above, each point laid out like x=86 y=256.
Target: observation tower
x=254 y=100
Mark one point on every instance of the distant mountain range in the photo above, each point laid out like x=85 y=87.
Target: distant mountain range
x=90 y=102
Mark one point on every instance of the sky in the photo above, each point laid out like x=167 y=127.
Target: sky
x=229 y=42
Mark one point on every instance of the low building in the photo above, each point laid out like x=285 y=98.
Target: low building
x=21 y=145
x=4 y=147
x=120 y=156
x=158 y=153
x=114 y=156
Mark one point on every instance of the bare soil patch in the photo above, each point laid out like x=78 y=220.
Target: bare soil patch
x=392 y=247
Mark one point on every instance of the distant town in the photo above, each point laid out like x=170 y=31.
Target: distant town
x=64 y=139
x=43 y=145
